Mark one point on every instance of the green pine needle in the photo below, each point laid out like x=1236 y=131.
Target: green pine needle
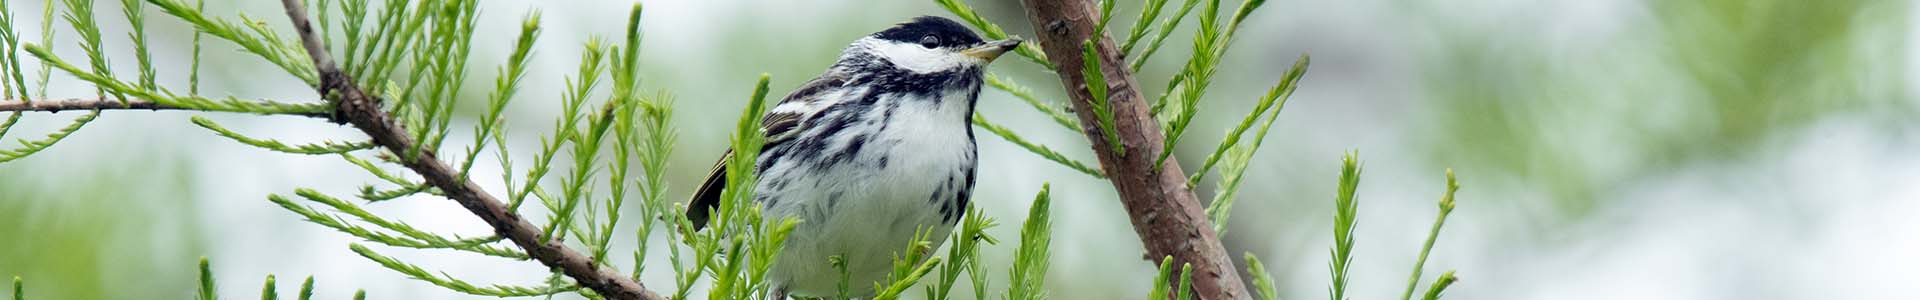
x=1192 y=81
x=455 y=284
x=654 y=151
x=1262 y=282
x=1059 y=115
x=1276 y=100
x=1143 y=24
x=1042 y=150
x=586 y=151
x=15 y=76
x=747 y=139
x=80 y=16
x=893 y=292
x=1106 y=15
x=737 y=227
x=844 y=288
x=136 y=18
x=1346 y=216
x=371 y=194
x=46 y=38
x=326 y=147
x=8 y=124
x=398 y=36
x=1185 y=290
x=29 y=147
x=1246 y=8
x=1163 y=283
x=1446 y=207
x=1237 y=156
x=323 y=10
x=267 y=291
x=193 y=69
x=1166 y=29
x=1440 y=285
x=378 y=172
x=206 y=280
x=230 y=104
x=906 y=271
x=626 y=100
x=505 y=86
x=407 y=235
x=251 y=38
x=1096 y=82
x=1028 y=279
x=726 y=282
x=306 y=289
x=964 y=252
x=572 y=101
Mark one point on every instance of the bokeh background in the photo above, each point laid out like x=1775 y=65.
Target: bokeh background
x=1612 y=149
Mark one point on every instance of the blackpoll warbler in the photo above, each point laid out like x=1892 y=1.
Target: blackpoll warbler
x=869 y=152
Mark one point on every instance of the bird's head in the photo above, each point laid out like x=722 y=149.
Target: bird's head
x=928 y=45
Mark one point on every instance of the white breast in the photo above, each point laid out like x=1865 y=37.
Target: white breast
x=869 y=209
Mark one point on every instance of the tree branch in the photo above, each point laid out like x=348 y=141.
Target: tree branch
x=365 y=112
x=1165 y=214
x=81 y=104
x=58 y=105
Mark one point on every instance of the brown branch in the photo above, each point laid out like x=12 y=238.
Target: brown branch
x=81 y=104
x=58 y=105
x=364 y=112
x=1165 y=214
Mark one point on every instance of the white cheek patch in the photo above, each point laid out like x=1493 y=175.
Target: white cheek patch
x=918 y=59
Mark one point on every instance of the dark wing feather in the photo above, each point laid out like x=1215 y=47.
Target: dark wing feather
x=778 y=128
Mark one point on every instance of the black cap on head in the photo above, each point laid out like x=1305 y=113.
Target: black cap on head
x=932 y=32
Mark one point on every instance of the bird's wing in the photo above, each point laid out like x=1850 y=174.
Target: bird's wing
x=780 y=125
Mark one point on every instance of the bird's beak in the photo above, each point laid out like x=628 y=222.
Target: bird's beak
x=991 y=50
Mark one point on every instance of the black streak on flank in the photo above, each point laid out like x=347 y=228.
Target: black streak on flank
x=810 y=145
x=886 y=114
x=780 y=184
x=852 y=150
x=833 y=200
x=772 y=154
x=769 y=201
x=951 y=214
x=939 y=200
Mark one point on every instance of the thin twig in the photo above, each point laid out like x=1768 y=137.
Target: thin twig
x=1165 y=214
x=365 y=112
x=58 y=105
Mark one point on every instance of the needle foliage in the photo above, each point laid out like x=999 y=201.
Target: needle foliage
x=413 y=56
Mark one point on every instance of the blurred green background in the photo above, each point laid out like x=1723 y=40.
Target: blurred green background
x=1706 y=149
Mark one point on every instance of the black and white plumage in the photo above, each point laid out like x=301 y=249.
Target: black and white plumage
x=877 y=147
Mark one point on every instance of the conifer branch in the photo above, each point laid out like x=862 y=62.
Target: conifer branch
x=366 y=113
x=1165 y=213
x=76 y=104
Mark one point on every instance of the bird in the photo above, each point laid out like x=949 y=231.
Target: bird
x=878 y=147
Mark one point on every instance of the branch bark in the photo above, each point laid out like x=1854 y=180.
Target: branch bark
x=58 y=105
x=1165 y=214
x=365 y=112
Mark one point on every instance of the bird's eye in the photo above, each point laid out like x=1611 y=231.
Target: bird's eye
x=930 y=42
